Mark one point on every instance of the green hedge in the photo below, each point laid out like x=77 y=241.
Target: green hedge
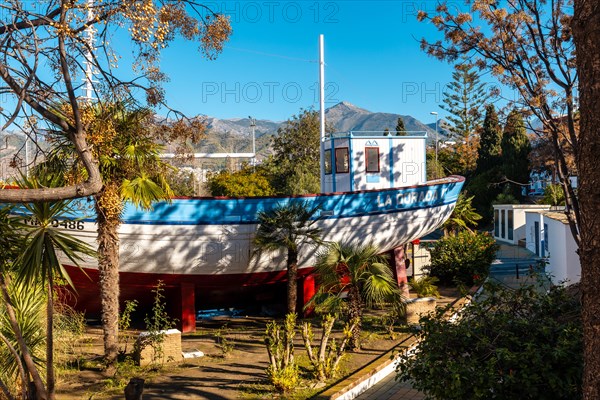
x=462 y=258
x=525 y=344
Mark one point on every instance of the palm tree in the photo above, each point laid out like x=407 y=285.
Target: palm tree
x=37 y=267
x=288 y=226
x=131 y=171
x=358 y=271
x=463 y=217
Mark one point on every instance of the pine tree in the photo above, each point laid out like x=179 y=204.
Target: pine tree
x=464 y=99
x=515 y=153
x=490 y=141
x=400 y=129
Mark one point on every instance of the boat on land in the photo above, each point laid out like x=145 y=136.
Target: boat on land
x=204 y=245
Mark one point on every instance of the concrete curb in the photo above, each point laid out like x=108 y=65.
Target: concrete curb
x=368 y=376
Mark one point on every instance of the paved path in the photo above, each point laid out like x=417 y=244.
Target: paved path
x=389 y=389
x=510 y=260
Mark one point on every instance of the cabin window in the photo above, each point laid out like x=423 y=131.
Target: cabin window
x=502 y=224
x=372 y=159
x=342 y=160
x=327 y=161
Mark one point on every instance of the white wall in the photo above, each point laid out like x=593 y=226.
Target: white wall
x=563 y=262
x=561 y=256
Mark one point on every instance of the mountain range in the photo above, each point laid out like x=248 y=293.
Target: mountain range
x=343 y=116
x=234 y=134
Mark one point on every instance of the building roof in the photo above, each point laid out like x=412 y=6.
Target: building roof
x=533 y=207
x=558 y=216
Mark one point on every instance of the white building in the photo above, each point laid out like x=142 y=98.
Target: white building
x=549 y=236
x=545 y=232
x=509 y=221
x=370 y=160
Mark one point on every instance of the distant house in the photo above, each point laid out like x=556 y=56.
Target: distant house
x=542 y=178
x=538 y=181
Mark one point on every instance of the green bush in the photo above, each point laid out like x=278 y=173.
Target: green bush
x=247 y=182
x=425 y=286
x=523 y=344
x=463 y=258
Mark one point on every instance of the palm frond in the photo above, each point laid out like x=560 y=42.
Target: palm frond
x=44 y=242
x=287 y=226
x=341 y=266
x=143 y=191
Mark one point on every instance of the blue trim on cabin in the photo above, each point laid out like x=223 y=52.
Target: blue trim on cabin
x=391 y=161
x=351 y=163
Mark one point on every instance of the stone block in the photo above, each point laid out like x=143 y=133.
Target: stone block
x=150 y=351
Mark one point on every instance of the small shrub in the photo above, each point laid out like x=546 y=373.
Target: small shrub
x=284 y=379
x=425 y=286
x=125 y=324
x=326 y=358
x=282 y=371
x=156 y=323
x=69 y=327
x=223 y=343
x=462 y=259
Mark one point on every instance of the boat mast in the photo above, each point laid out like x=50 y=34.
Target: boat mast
x=322 y=106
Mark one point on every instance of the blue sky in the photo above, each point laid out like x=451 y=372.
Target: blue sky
x=268 y=69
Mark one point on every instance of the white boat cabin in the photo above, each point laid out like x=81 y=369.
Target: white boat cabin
x=371 y=160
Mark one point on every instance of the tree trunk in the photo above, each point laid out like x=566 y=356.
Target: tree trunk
x=292 y=278
x=108 y=209
x=586 y=31
x=355 y=312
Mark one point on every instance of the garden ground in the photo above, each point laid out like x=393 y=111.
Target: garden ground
x=233 y=366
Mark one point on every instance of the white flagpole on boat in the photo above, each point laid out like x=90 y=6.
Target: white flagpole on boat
x=88 y=88
x=322 y=105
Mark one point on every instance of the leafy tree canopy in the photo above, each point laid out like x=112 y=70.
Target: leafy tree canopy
x=464 y=98
x=47 y=49
x=400 y=129
x=295 y=165
x=488 y=155
x=515 y=153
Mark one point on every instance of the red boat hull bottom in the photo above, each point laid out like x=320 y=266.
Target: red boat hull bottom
x=184 y=294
